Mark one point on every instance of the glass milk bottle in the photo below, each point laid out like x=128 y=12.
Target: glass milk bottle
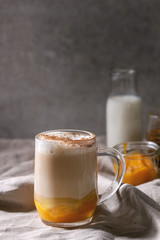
x=123 y=109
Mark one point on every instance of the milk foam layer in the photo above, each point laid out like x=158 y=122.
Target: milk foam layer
x=54 y=135
x=54 y=141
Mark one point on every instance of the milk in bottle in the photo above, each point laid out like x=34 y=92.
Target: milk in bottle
x=123 y=109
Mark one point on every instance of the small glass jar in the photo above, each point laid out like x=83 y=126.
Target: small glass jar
x=153 y=127
x=123 y=109
x=142 y=160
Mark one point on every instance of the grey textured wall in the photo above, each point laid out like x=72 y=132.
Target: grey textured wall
x=56 y=56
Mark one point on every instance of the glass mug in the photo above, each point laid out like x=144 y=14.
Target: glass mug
x=65 y=185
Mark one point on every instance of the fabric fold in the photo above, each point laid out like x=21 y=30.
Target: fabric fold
x=16 y=193
x=129 y=213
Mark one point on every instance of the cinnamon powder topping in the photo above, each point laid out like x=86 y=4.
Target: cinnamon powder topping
x=88 y=142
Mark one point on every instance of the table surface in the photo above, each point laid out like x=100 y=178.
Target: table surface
x=132 y=212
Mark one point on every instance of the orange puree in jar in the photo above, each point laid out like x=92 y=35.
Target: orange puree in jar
x=139 y=169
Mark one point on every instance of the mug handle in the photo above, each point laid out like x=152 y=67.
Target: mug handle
x=121 y=167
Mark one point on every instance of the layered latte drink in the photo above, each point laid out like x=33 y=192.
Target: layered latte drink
x=65 y=189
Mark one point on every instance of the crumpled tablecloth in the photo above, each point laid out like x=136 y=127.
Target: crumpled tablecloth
x=131 y=213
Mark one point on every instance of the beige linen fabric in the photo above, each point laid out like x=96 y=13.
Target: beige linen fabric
x=130 y=213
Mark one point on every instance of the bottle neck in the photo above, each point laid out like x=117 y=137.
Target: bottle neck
x=123 y=82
